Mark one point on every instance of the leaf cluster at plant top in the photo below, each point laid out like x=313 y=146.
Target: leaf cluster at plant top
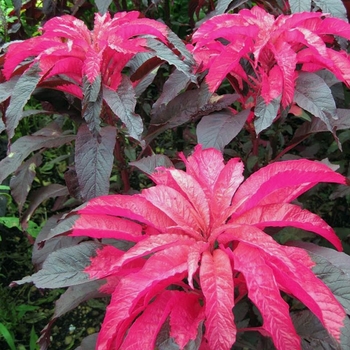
x=197 y=260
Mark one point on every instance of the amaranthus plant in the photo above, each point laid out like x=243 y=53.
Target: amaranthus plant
x=199 y=247
x=194 y=261
x=273 y=63
x=89 y=66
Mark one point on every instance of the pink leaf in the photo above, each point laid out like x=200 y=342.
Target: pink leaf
x=174 y=205
x=217 y=285
x=187 y=186
x=287 y=215
x=205 y=166
x=164 y=267
x=132 y=207
x=302 y=283
x=282 y=182
x=263 y=291
x=185 y=317
x=105 y=226
x=143 y=332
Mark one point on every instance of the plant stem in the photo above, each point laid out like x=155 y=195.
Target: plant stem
x=118 y=154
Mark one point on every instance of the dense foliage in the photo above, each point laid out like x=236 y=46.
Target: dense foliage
x=202 y=258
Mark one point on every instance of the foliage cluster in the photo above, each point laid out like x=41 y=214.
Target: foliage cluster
x=192 y=255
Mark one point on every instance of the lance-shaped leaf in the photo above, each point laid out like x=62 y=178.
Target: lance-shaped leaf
x=21 y=93
x=314 y=95
x=268 y=185
x=333 y=268
x=20 y=183
x=122 y=103
x=92 y=104
x=144 y=331
x=64 y=267
x=167 y=266
x=184 y=329
x=217 y=285
x=264 y=293
x=287 y=215
x=94 y=160
x=22 y=148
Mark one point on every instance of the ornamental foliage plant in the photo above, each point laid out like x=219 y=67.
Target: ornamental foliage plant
x=214 y=248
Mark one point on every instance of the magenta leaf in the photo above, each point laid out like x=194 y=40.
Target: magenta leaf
x=264 y=292
x=143 y=333
x=217 y=285
x=94 y=160
x=219 y=128
x=64 y=267
x=186 y=315
x=268 y=185
x=288 y=215
x=167 y=267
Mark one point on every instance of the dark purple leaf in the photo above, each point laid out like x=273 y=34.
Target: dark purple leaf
x=22 y=180
x=218 y=129
x=102 y=5
x=265 y=114
x=187 y=57
x=61 y=227
x=40 y=195
x=72 y=183
x=176 y=82
x=64 y=267
x=92 y=104
x=186 y=107
x=313 y=95
x=165 y=53
x=122 y=103
x=148 y=164
x=25 y=145
x=6 y=88
x=40 y=253
x=88 y=343
x=313 y=334
x=94 y=160
x=20 y=94
x=333 y=268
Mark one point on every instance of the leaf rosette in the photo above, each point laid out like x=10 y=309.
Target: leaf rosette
x=183 y=253
x=262 y=57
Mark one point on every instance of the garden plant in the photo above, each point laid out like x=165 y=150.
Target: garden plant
x=187 y=139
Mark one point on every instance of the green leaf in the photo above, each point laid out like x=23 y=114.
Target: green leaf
x=7 y=336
